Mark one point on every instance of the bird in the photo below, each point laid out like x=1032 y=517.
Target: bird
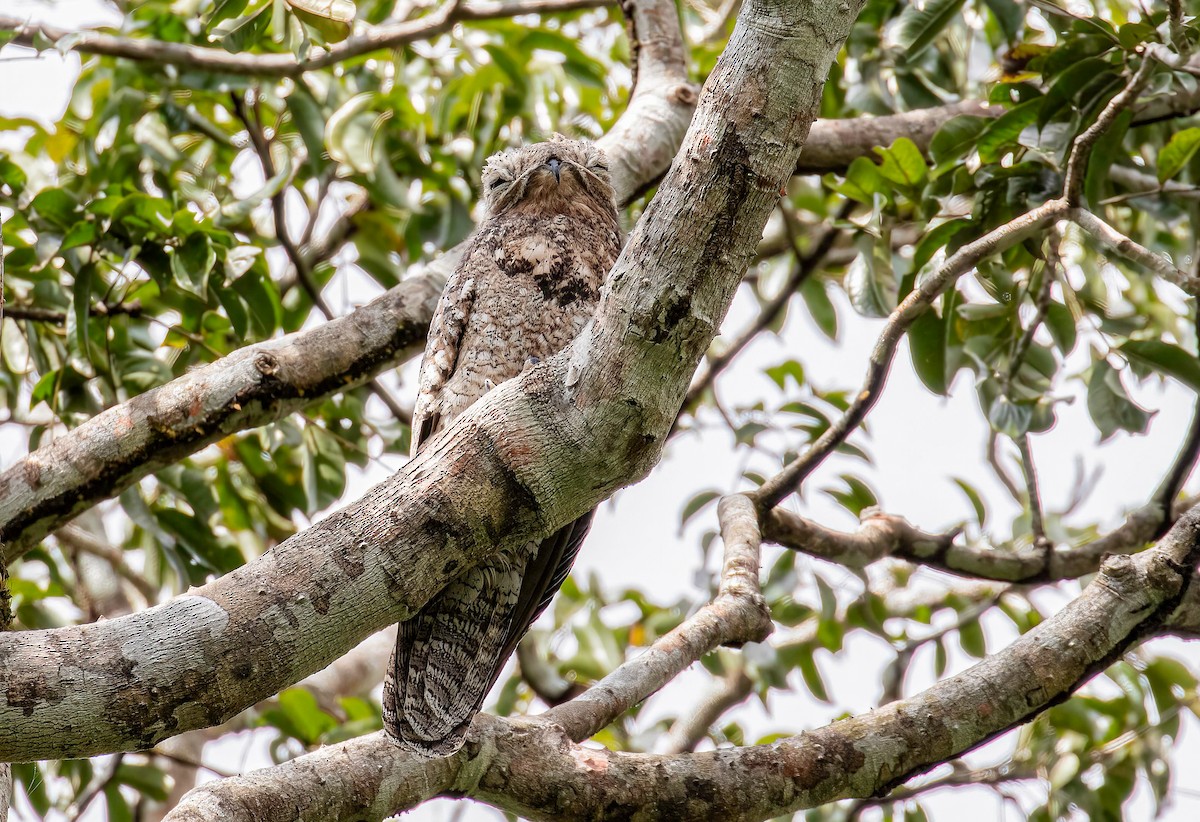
x=527 y=284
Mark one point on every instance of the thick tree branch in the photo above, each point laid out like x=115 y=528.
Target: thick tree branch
x=267 y=381
x=530 y=767
x=834 y=144
x=535 y=453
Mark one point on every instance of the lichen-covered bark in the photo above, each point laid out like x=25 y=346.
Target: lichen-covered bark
x=265 y=382
x=534 y=454
x=252 y=386
x=533 y=768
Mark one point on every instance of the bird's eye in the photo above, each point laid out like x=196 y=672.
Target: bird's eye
x=500 y=181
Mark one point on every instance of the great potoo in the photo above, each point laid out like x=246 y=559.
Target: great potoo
x=527 y=284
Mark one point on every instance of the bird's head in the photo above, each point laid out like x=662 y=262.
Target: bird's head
x=554 y=177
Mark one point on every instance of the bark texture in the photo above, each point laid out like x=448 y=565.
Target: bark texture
x=533 y=766
x=266 y=382
x=534 y=454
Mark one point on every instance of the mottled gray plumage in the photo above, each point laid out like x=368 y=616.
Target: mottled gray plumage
x=527 y=284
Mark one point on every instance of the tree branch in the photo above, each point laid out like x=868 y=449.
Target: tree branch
x=265 y=382
x=1110 y=238
x=1081 y=151
x=962 y=261
x=49 y=315
x=530 y=767
x=535 y=453
x=201 y=58
x=886 y=535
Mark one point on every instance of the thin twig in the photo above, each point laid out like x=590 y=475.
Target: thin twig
x=371 y=39
x=993 y=458
x=1185 y=461
x=81 y=804
x=893 y=677
x=916 y=303
x=300 y=264
x=49 y=315
x=1029 y=470
x=1109 y=237
x=692 y=726
x=738 y=614
x=1081 y=151
x=1179 y=37
x=80 y=540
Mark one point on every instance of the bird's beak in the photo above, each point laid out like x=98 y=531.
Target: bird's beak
x=555 y=166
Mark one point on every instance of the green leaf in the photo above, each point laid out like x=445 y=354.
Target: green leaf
x=1002 y=133
x=1068 y=85
x=302 y=717
x=862 y=182
x=975 y=499
x=225 y=10
x=1166 y=359
x=1176 y=153
x=309 y=121
x=82 y=233
x=940 y=660
x=55 y=206
x=81 y=303
x=242 y=33
x=145 y=779
x=779 y=373
x=1060 y=322
x=333 y=19
x=696 y=504
x=970 y=636
x=1011 y=418
x=812 y=677
x=934 y=239
x=919 y=25
x=1107 y=150
x=191 y=263
x=869 y=281
x=118 y=805
x=1010 y=16
x=1109 y=404
x=12 y=175
x=815 y=295
x=956 y=139
x=927 y=341
x=902 y=163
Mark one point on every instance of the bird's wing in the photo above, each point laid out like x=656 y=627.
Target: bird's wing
x=441 y=352
x=448 y=657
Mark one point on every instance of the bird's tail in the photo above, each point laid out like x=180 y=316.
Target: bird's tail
x=449 y=655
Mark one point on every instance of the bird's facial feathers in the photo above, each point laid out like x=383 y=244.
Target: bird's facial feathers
x=548 y=178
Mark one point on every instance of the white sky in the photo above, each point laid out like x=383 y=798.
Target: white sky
x=918 y=442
